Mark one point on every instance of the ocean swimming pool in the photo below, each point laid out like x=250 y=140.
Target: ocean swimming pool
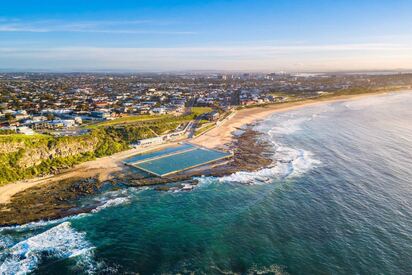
x=159 y=153
x=172 y=160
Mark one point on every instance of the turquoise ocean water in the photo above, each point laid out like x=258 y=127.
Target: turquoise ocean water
x=337 y=200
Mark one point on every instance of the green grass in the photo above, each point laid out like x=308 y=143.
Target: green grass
x=201 y=110
x=23 y=137
x=105 y=138
x=128 y=120
x=196 y=111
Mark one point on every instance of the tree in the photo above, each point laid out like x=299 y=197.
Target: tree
x=8 y=116
x=50 y=116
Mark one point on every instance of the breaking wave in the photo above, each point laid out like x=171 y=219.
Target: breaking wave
x=366 y=103
x=37 y=225
x=5 y=242
x=107 y=201
x=119 y=197
x=288 y=127
x=21 y=253
x=59 y=242
x=111 y=203
x=288 y=162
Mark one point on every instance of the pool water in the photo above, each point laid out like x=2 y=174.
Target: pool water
x=165 y=151
x=167 y=162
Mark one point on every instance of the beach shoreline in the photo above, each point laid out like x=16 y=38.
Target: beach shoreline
x=220 y=137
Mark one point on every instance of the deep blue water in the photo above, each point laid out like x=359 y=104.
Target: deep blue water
x=338 y=200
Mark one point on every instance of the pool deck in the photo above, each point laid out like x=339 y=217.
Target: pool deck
x=152 y=165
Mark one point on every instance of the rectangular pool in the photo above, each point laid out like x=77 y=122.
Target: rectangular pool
x=164 y=164
x=166 y=151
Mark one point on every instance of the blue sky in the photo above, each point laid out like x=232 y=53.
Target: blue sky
x=255 y=35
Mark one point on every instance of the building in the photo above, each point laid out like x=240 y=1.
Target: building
x=100 y=114
x=25 y=130
x=149 y=141
x=159 y=110
x=212 y=116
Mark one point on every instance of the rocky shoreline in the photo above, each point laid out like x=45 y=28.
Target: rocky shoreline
x=61 y=199
x=249 y=154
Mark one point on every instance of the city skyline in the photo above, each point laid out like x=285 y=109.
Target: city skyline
x=206 y=35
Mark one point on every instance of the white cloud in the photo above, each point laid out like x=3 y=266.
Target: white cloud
x=97 y=26
x=286 y=57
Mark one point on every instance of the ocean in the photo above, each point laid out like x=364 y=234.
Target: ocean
x=337 y=200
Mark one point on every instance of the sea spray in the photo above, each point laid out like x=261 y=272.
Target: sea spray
x=111 y=203
x=59 y=242
x=11 y=235
x=109 y=199
x=288 y=162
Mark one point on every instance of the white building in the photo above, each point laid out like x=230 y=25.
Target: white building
x=159 y=110
x=150 y=141
x=25 y=130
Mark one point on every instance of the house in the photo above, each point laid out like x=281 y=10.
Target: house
x=101 y=104
x=159 y=110
x=78 y=120
x=212 y=116
x=25 y=130
x=20 y=116
x=100 y=114
x=38 y=118
x=55 y=124
x=68 y=123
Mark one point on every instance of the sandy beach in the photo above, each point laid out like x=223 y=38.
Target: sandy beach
x=219 y=137
x=222 y=135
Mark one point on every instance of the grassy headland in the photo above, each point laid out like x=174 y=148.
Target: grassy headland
x=24 y=157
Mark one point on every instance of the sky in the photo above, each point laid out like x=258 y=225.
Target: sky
x=172 y=35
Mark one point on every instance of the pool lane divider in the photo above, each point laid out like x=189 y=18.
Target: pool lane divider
x=163 y=156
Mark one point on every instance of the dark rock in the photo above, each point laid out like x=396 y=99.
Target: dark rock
x=60 y=199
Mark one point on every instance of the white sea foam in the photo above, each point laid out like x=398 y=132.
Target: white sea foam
x=111 y=203
x=288 y=127
x=5 y=242
x=374 y=101
x=288 y=163
x=118 y=197
x=40 y=224
x=61 y=242
x=109 y=199
x=290 y=122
